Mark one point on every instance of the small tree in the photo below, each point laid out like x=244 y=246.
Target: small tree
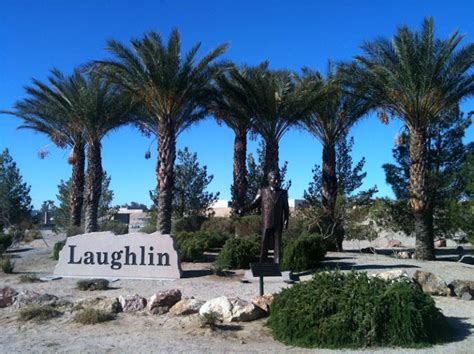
x=15 y=200
x=62 y=213
x=190 y=197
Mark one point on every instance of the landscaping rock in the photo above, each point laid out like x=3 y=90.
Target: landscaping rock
x=186 y=307
x=440 y=243
x=30 y=297
x=394 y=243
x=221 y=306
x=466 y=296
x=405 y=255
x=131 y=303
x=263 y=302
x=431 y=283
x=231 y=310
x=393 y=274
x=7 y=296
x=467 y=259
x=243 y=311
x=162 y=302
x=459 y=287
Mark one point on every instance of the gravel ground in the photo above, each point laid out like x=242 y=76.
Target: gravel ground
x=142 y=332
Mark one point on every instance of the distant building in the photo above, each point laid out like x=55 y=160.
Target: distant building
x=136 y=219
x=222 y=207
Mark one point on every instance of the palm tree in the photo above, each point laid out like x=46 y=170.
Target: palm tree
x=270 y=100
x=172 y=90
x=415 y=77
x=225 y=109
x=51 y=109
x=331 y=112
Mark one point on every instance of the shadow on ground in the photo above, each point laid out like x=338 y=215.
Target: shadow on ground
x=461 y=328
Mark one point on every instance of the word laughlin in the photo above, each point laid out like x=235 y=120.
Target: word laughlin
x=129 y=258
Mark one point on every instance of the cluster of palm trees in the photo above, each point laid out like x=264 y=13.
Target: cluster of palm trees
x=413 y=77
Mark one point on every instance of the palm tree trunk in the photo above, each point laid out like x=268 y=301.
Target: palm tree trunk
x=165 y=174
x=76 y=197
x=271 y=158
x=239 y=187
x=329 y=194
x=94 y=185
x=423 y=229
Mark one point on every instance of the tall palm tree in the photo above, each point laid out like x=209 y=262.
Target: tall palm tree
x=101 y=107
x=51 y=109
x=331 y=112
x=173 y=91
x=224 y=108
x=270 y=100
x=415 y=77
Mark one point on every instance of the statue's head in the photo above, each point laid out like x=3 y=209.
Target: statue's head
x=273 y=179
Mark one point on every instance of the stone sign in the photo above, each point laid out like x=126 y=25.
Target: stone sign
x=103 y=254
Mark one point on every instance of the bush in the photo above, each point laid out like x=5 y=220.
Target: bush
x=250 y=225
x=115 y=226
x=336 y=310
x=31 y=235
x=6 y=265
x=38 y=313
x=296 y=227
x=92 y=316
x=74 y=230
x=5 y=242
x=219 y=226
x=92 y=284
x=187 y=224
x=190 y=245
x=148 y=229
x=303 y=253
x=58 y=246
x=238 y=253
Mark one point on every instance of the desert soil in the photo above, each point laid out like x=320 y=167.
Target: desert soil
x=143 y=332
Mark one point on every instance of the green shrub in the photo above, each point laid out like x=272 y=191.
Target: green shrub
x=74 y=230
x=191 y=248
x=31 y=235
x=296 y=227
x=29 y=278
x=187 y=224
x=336 y=310
x=58 y=246
x=148 y=229
x=219 y=226
x=303 y=253
x=250 y=225
x=93 y=284
x=6 y=265
x=38 y=313
x=115 y=226
x=238 y=253
x=5 y=242
x=92 y=316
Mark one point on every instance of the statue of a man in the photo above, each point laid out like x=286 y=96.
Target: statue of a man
x=273 y=202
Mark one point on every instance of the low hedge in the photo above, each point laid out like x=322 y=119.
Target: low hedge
x=336 y=310
x=303 y=253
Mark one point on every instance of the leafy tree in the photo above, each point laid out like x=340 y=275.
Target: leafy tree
x=15 y=200
x=352 y=208
x=416 y=77
x=447 y=158
x=62 y=213
x=51 y=109
x=332 y=111
x=173 y=90
x=190 y=197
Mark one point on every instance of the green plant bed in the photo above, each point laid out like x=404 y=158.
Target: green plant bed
x=303 y=253
x=238 y=253
x=336 y=310
x=38 y=313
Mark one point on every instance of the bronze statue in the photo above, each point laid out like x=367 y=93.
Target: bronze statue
x=275 y=212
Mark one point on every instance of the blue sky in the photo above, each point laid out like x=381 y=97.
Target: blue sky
x=36 y=36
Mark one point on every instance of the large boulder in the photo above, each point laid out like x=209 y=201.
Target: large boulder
x=263 y=302
x=131 y=303
x=231 y=310
x=28 y=297
x=186 y=307
x=162 y=302
x=431 y=283
x=7 y=296
x=394 y=275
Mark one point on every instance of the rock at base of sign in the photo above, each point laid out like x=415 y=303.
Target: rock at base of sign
x=287 y=277
x=231 y=310
x=161 y=303
x=186 y=307
x=132 y=303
